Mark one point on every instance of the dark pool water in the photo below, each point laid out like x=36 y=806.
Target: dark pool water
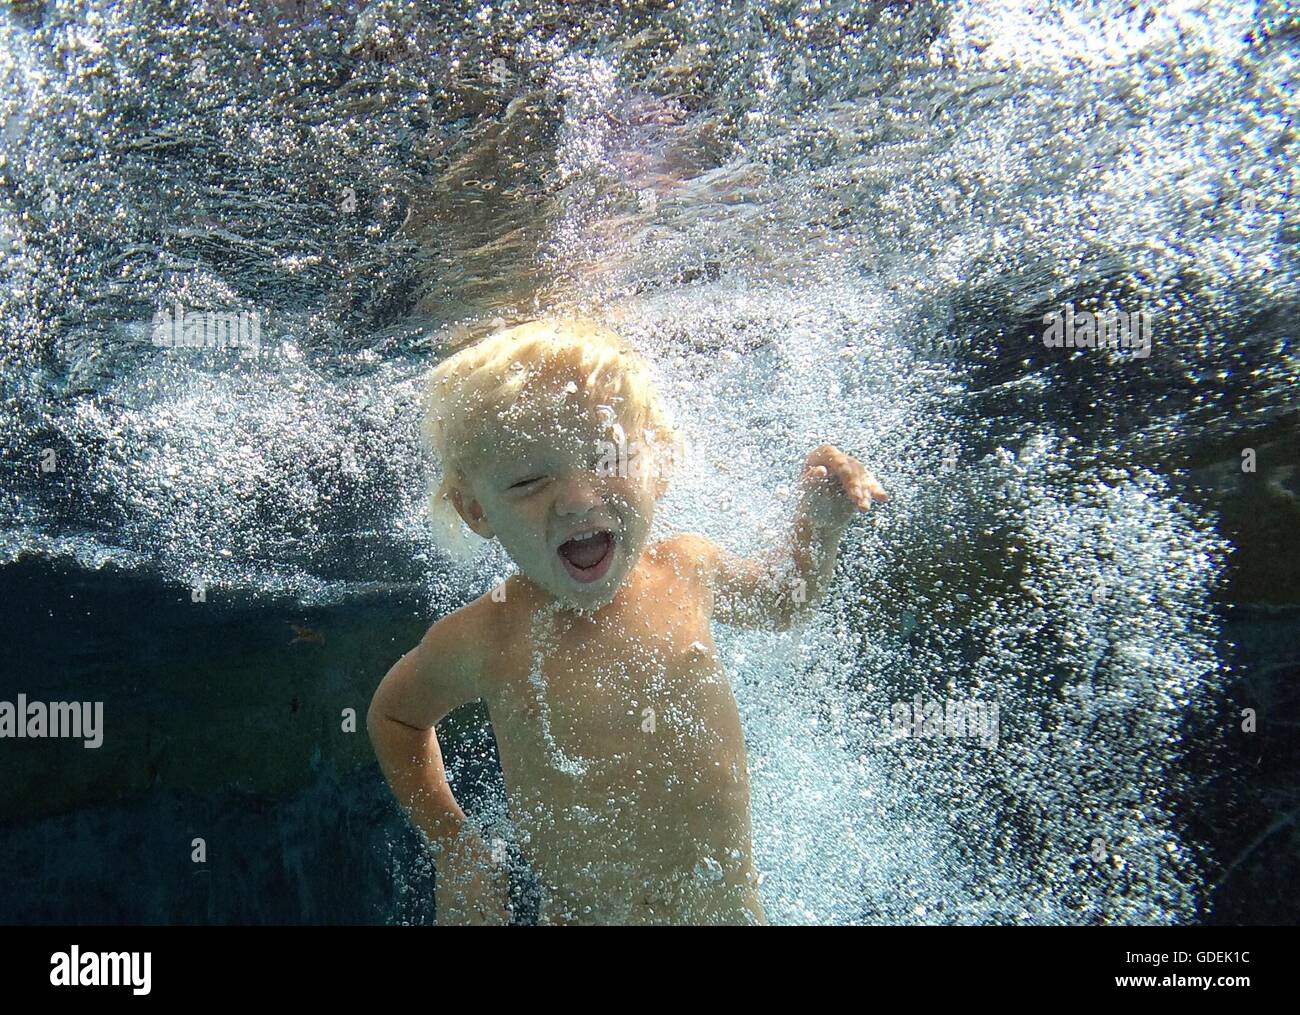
x=821 y=221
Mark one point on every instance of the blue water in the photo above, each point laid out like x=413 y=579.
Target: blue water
x=840 y=222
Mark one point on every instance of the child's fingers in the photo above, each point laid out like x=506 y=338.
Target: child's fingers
x=865 y=489
x=859 y=485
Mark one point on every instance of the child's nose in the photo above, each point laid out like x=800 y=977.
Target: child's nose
x=581 y=494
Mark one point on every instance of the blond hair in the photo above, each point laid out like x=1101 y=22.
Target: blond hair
x=479 y=384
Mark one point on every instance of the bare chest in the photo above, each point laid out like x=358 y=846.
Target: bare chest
x=621 y=743
x=593 y=700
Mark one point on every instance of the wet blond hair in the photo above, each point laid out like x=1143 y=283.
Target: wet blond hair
x=476 y=387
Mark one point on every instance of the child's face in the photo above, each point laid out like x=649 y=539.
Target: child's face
x=537 y=482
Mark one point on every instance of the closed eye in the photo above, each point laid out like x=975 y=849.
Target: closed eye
x=523 y=483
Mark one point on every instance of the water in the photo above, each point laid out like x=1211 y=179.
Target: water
x=822 y=222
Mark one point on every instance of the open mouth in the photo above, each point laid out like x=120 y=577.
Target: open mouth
x=587 y=555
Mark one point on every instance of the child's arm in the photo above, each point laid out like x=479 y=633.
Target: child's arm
x=773 y=591
x=421 y=688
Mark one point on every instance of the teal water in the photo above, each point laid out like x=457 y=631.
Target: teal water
x=827 y=221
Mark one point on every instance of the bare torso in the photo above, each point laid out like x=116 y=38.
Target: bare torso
x=622 y=751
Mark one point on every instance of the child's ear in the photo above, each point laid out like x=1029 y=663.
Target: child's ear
x=472 y=514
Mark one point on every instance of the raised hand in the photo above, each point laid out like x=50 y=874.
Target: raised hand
x=836 y=486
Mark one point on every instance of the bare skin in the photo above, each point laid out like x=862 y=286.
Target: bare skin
x=618 y=732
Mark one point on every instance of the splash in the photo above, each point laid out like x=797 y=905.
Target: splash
x=822 y=223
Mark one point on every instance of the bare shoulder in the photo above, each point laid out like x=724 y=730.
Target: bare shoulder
x=441 y=672
x=692 y=545
x=689 y=554
x=484 y=626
